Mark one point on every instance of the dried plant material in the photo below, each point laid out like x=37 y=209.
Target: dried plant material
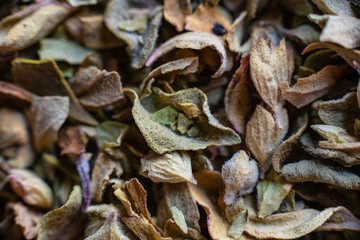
x=171 y=167
x=71 y=140
x=349 y=55
x=271 y=192
x=46 y=115
x=285 y=148
x=217 y=225
x=308 y=89
x=24 y=28
x=110 y=134
x=341 y=30
x=178 y=195
x=263 y=135
x=173 y=230
x=333 y=7
x=299 y=7
x=77 y=3
x=105 y=223
x=65 y=222
x=341 y=112
x=205 y=19
x=268 y=70
x=236 y=32
x=28 y=185
x=43 y=77
x=26 y=218
x=179 y=219
x=237 y=98
x=142 y=229
x=83 y=168
x=238 y=226
x=240 y=175
x=14 y=96
x=299 y=223
x=13 y=128
x=163 y=139
x=316 y=171
x=104 y=166
x=84 y=79
x=196 y=41
x=176 y=11
x=106 y=90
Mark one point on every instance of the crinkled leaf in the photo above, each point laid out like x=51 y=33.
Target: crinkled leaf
x=171 y=167
x=110 y=134
x=175 y=12
x=334 y=7
x=316 y=171
x=71 y=140
x=162 y=138
x=196 y=41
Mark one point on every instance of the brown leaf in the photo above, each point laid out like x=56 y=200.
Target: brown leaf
x=173 y=230
x=316 y=171
x=196 y=41
x=84 y=79
x=24 y=28
x=236 y=33
x=142 y=229
x=237 y=97
x=13 y=96
x=175 y=12
x=334 y=7
x=71 y=140
x=13 y=128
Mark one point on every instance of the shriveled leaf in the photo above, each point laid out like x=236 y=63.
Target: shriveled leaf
x=71 y=140
x=236 y=32
x=110 y=134
x=175 y=12
x=46 y=115
x=237 y=97
x=334 y=7
x=240 y=175
x=66 y=222
x=263 y=135
x=308 y=89
x=13 y=96
x=63 y=50
x=24 y=28
x=299 y=223
x=196 y=41
x=316 y=171
x=171 y=167
x=162 y=138
x=43 y=77
x=341 y=30
x=270 y=194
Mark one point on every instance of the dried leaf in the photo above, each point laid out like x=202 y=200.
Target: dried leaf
x=71 y=140
x=173 y=230
x=196 y=41
x=316 y=171
x=13 y=96
x=163 y=139
x=334 y=7
x=166 y=116
x=13 y=128
x=299 y=7
x=238 y=226
x=308 y=89
x=66 y=222
x=240 y=175
x=24 y=28
x=110 y=134
x=171 y=167
x=175 y=12
x=142 y=229
x=179 y=219
x=270 y=194
x=77 y=3
x=236 y=32
x=84 y=79
x=237 y=97
x=263 y=135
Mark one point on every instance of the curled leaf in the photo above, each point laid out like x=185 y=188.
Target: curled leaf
x=171 y=167
x=196 y=41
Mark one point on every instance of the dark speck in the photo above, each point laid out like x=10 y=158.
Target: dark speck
x=219 y=29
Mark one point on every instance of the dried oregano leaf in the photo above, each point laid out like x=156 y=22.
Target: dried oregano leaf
x=175 y=12
x=334 y=7
x=71 y=140
x=173 y=230
x=316 y=171
x=196 y=41
x=341 y=30
x=240 y=175
x=270 y=194
x=179 y=219
x=171 y=167
x=13 y=96
x=13 y=128
x=26 y=27
x=66 y=222
x=77 y=3
x=237 y=97
x=84 y=79
x=238 y=226
x=263 y=135
x=142 y=229
x=308 y=89
x=299 y=223
x=236 y=32
x=162 y=138
x=104 y=223
x=110 y=134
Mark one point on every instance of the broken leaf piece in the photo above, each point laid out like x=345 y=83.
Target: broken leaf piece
x=13 y=96
x=13 y=128
x=295 y=224
x=236 y=32
x=171 y=167
x=240 y=175
x=33 y=190
x=334 y=7
x=71 y=140
x=46 y=115
x=63 y=50
x=175 y=12
x=162 y=139
x=142 y=229
x=26 y=27
x=66 y=222
x=196 y=41
x=238 y=226
x=110 y=134
x=179 y=219
x=316 y=171
x=166 y=115
x=270 y=194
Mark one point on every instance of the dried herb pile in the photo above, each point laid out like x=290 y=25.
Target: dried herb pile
x=179 y=119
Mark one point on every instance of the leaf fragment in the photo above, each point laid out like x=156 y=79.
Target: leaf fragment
x=334 y=7
x=110 y=134
x=175 y=12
